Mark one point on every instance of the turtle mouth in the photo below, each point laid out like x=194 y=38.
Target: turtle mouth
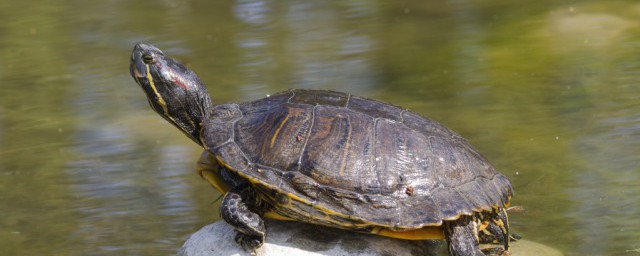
x=136 y=67
x=140 y=75
x=134 y=72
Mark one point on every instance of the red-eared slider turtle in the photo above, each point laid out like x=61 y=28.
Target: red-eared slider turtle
x=331 y=159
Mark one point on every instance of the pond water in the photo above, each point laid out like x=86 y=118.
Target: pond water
x=547 y=90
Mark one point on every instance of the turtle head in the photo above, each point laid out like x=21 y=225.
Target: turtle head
x=174 y=91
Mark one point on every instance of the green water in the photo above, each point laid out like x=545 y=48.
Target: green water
x=547 y=90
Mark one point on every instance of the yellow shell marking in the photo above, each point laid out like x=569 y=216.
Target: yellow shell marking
x=345 y=154
x=425 y=233
x=209 y=171
x=276 y=216
x=275 y=135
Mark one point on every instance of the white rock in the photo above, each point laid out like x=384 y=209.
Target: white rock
x=294 y=238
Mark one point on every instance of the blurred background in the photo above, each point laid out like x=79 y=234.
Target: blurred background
x=547 y=90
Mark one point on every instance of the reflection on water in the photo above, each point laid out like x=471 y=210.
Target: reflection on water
x=546 y=90
x=285 y=44
x=132 y=194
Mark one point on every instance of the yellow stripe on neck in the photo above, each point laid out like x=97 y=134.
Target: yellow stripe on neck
x=155 y=90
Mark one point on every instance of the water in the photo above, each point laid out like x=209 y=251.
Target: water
x=547 y=90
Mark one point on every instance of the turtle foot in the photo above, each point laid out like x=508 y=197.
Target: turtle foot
x=496 y=251
x=249 y=243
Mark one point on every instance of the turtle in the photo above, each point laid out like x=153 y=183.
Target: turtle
x=331 y=159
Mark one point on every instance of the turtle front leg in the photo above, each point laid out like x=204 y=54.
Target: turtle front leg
x=462 y=237
x=248 y=224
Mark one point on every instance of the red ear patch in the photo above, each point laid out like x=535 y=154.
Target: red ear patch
x=178 y=79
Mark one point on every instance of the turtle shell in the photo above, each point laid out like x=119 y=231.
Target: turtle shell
x=341 y=160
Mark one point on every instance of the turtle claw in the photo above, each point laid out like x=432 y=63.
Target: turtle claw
x=249 y=243
x=496 y=251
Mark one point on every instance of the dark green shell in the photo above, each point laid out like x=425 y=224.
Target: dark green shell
x=346 y=161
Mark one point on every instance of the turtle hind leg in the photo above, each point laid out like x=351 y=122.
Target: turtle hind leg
x=248 y=224
x=462 y=236
x=497 y=230
x=502 y=221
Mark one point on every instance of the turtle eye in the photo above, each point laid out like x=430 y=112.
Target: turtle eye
x=147 y=58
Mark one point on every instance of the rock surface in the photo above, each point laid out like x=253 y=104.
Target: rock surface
x=293 y=238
